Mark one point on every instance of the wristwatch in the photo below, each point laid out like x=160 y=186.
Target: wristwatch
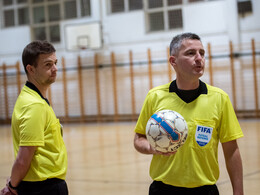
x=12 y=187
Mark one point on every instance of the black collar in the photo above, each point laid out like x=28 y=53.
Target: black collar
x=188 y=95
x=33 y=87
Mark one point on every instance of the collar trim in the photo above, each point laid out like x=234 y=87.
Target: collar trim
x=33 y=87
x=202 y=87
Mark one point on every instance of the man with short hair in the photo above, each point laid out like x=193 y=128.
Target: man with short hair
x=193 y=169
x=41 y=158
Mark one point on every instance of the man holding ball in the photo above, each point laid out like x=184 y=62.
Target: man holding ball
x=208 y=111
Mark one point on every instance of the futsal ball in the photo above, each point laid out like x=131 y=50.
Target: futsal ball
x=166 y=131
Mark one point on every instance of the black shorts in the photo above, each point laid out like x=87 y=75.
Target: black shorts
x=159 y=188
x=52 y=186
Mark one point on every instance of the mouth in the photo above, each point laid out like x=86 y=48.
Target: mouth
x=198 y=68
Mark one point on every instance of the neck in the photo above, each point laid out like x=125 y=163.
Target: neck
x=186 y=84
x=41 y=88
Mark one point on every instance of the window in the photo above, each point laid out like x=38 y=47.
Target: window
x=14 y=12
x=125 y=5
x=85 y=7
x=46 y=14
x=173 y=22
x=21 y=1
x=39 y=33
x=164 y=14
x=244 y=6
x=155 y=3
x=135 y=4
x=70 y=9
x=156 y=21
x=195 y=1
x=7 y=2
x=174 y=2
x=117 y=6
x=191 y=1
x=43 y=16
x=9 y=17
x=23 y=16
x=55 y=33
x=54 y=13
x=38 y=15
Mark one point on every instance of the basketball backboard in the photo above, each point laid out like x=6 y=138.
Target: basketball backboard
x=83 y=36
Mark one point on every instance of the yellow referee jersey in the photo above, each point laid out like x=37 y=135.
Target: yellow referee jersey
x=34 y=124
x=210 y=118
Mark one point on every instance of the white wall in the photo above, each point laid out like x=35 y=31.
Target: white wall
x=205 y=18
x=250 y=24
x=214 y=21
x=12 y=42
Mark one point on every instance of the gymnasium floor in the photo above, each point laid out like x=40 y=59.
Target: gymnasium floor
x=102 y=159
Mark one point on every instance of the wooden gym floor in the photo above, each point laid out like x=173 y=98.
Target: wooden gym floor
x=102 y=159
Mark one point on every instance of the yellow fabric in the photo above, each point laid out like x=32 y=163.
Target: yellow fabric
x=193 y=165
x=34 y=124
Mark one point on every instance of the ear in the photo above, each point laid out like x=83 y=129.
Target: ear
x=172 y=60
x=29 y=68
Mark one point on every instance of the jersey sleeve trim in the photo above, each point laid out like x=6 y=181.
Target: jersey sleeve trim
x=31 y=143
x=234 y=137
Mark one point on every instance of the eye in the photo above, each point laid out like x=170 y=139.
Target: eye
x=202 y=53
x=190 y=53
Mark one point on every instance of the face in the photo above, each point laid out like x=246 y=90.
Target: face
x=45 y=71
x=189 y=62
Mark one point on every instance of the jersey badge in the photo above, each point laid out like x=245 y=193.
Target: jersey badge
x=203 y=135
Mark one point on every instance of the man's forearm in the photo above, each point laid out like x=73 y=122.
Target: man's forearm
x=235 y=170
x=19 y=171
x=22 y=164
x=234 y=166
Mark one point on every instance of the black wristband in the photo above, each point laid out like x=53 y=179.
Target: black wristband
x=12 y=187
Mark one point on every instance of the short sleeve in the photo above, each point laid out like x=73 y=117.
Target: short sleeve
x=144 y=116
x=229 y=126
x=32 y=125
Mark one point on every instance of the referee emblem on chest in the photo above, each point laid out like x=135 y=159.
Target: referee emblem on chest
x=203 y=135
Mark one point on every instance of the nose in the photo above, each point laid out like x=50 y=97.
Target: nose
x=199 y=56
x=54 y=68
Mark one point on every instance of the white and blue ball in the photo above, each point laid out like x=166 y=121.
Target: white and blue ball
x=166 y=131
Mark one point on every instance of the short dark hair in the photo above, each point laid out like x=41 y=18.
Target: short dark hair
x=177 y=41
x=32 y=51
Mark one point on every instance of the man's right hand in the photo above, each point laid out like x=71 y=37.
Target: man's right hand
x=7 y=191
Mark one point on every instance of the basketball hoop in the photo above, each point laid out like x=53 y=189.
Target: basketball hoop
x=83 y=36
x=82 y=47
x=83 y=42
